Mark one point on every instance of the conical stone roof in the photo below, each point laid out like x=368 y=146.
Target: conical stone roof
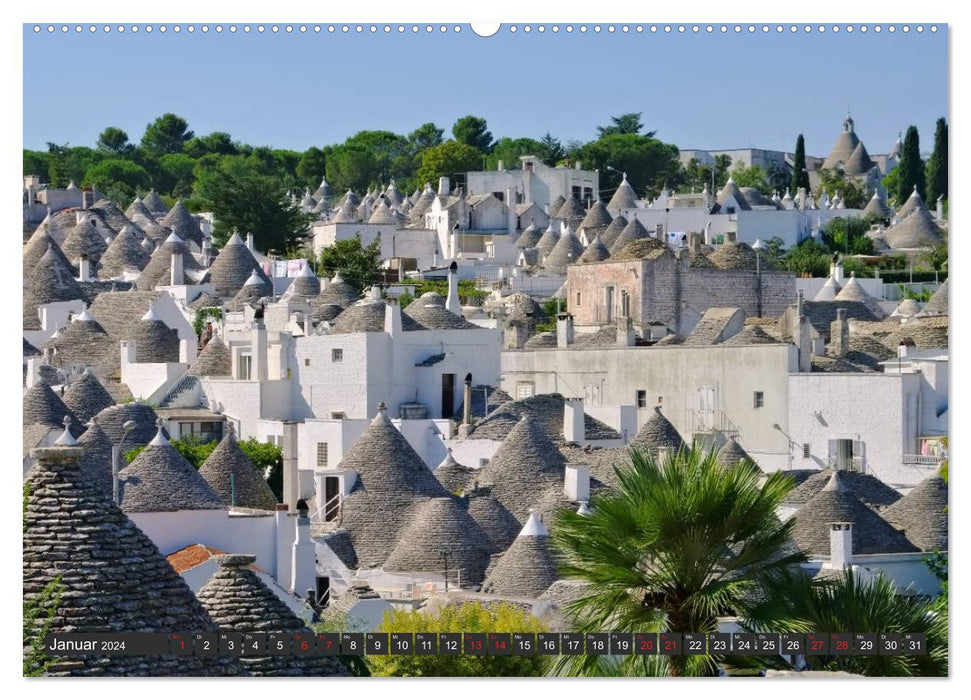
x=113 y=419
x=339 y=292
x=305 y=284
x=731 y=190
x=436 y=524
x=750 y=335
x=454 y=477
x=114 y=578
x=234 y=477
x=391 y=479
x=906 y=309
x=182 y=222
x=156 y=207
x=382 y=214
x=859 y=162
x=843 y=148
x=657 y=432
x=917 y=230
x=526 y=465
x=137 y=211
x=38 y=244
x=529 y=237
x=41 y=406
x=160 y=480
x=159 y=268
x=731 y=453
x=253 y=290
x=877 y=207
x=567 y=251
x=913 y=203
x=82 y=343
x=87 y=397
x=125 y=252
x=595 y=252
x=154 y=341
x=597 y=219
x=869 y=489
x=215 y=360
x=611 y=233
x=95 y=462
x=84 y=239
x=937 y=305
x=111 y=214
x=555 y=205
x=346 y=213
x=49 y=281
x=547 y=242
x=633 y=231
x=571 y=212
x=499 y=525
x=854 y=291
x=836 y=504
x=234 y=265
x=623 y=198
x=527 y=568
x=237 y=600
x=922 y=514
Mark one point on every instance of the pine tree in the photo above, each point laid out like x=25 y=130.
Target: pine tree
x=911 y=167
x=800 y=177
x=937 y=165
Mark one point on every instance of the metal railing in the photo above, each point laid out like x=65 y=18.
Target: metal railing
x=333 y=506
x=699 y=421
x=854 y=464
x=928 y=460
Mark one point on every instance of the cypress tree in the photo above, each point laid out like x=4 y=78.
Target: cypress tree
x=800 y=178
x=911 y=167
x=937 y=165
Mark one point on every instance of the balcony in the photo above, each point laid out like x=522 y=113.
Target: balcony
x=850 y=464
x=713 y=421
x=923 y=460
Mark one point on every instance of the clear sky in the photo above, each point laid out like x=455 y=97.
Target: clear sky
x=295 y=91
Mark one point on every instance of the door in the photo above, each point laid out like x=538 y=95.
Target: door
x=448 y=395
x=609 y=304
x=331 y=501
x=323 y=591
x=706 y=408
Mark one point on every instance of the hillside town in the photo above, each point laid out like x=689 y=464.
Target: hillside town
x=219 y=436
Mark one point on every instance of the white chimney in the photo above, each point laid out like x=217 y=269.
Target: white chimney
x=576 y=484
x=511 y=211
x=443 y=186
x=258 y=351
x=84 y=266
x=940 y=208
x=291 y=480
x=392 y=318
x=452 y=302
x=840 y=545
x=303 y=559
x=249 y=242
x=499 y=165
x=375 y=293
x=838 y=271
x=285 y=535
x=185 y=350
x=564 y=330
x=573 y=428
x=33 y=370
x=177 y=276
x=127 y=353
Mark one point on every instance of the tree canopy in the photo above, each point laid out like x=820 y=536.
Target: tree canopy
x=911 y=167
x=800 y=176
x=937 y=165
x=167 y=134
x=473 y=131
x=357 y=264
x=628 y=123
x=447 y=159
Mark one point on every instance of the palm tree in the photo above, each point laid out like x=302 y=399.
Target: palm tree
x=850 y=603
x=681 y=541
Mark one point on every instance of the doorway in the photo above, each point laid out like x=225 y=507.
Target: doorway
x=448 y=395
x=332 y=504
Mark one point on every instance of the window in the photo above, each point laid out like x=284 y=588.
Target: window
x=641 y=398
x=338 y=415
x=587 y=194
x=204 y=431
x=759 y=399
x=321 y=454
x=729 y=210
x=577 y=192
x=525 y=389
x=806 y=453
x=578 y=298
x=245 y=366
x=336 y=355
x=306 y=362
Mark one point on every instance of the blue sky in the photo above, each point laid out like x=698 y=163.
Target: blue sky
x=294 y=91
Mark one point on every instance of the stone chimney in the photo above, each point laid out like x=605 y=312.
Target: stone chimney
x=291 y=479
x=573 y=427
x=452 y=302
x=801 y=197
x=564 y=330
x=625 y=332
x=500 y=165
x=467 y=400
x=839 y=334
x=177 y=270
x=515 y=334
x=731 y=236
x=392 y=318
x=802 y=336
x=695 y=242
x=659 y=232
x=576 y=482
x=840 y=545
x=303 y=558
